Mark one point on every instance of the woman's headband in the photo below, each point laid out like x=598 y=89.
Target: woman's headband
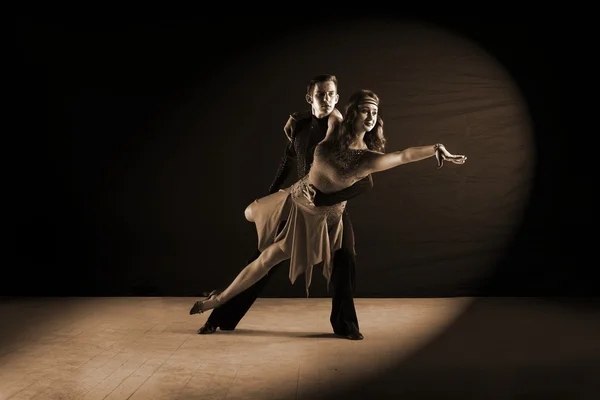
x=369 y=100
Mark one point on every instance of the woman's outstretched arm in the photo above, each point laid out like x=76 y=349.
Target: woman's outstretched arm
x=372 y=162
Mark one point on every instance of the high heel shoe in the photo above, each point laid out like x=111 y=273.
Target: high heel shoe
x=198 y=307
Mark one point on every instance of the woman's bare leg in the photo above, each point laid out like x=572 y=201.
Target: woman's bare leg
x=251 y=274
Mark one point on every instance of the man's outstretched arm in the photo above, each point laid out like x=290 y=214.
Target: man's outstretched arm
x=329 y=199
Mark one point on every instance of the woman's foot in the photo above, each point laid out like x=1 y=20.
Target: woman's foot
x=209 y=303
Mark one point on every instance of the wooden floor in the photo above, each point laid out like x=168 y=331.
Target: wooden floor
x=147 y=348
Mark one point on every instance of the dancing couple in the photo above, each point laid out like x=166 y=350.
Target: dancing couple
x=307 y=222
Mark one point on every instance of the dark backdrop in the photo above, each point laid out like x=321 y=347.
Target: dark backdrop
x=136 y=147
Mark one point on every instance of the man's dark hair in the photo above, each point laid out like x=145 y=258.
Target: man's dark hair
x=320 y=79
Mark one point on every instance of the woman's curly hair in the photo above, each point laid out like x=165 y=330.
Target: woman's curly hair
x=374 y=139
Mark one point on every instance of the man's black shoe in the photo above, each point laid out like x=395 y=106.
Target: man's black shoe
x=352 y=334
x=206 y=329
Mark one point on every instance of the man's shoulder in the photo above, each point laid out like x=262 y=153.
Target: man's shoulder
x=297 y=121
x=301 y=116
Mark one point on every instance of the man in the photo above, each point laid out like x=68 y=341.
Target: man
x=304 y=131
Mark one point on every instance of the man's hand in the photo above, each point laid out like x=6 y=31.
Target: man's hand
x=310 y=192
x=442 y=155
x=334 y=120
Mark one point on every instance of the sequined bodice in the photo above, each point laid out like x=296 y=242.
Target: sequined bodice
x=331 y=171
x=334 y=170
x=347 y=162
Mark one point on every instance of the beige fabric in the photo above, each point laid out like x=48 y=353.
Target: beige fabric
x=310 y=236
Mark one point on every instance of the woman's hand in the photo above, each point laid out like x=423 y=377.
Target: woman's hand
x=442 y=155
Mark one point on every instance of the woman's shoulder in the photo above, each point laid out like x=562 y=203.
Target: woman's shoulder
x=365 y=156
x=371 y=153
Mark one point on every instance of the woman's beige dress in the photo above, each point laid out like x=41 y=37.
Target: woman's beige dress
x=311 y=235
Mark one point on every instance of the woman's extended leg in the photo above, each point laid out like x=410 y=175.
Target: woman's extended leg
x=251 y=274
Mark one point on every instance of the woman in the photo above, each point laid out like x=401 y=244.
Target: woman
x=350 y=151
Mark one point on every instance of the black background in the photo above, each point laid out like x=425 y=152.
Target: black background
x=137 y=145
